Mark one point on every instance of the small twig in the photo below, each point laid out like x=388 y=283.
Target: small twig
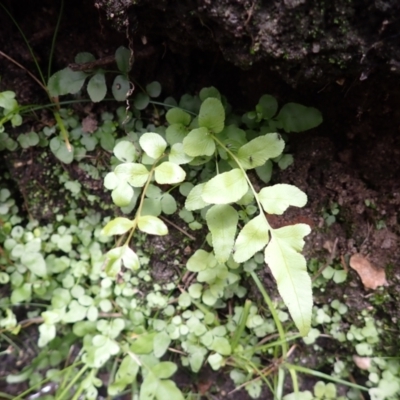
x=92 y=64
x=343 y=262
x=27 y=71
x=328 y=261
x=177 y=351
x=268 y=370
x=179 y=228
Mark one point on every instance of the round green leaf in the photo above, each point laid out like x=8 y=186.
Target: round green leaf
x=221 y=345
x=7 y=100
x=198 y=142
x=225 y=188
x=111 y=181
x=298 y=118
x=216 y=361
x=190 y=103
x=212 y=115
x=84 y=57
x=66 y=81
x=208 y=298
x=125 y=151
x=177 y=154
x=120 y=88
x=97 y=87
x=265 y=171
x=153 y=89
x=200 y=261
x=285 y=161
x=175 y=133
x=117 y=226
x=133 y=173
x=35 y=263
x=256 y=152
x=151 y=207
x=178 y=116
x=141 y=101
x=122 y=194
x=169 y=173
x=60 y=150
x=168 y=204
x=194 y=199
x=267 y=106
x=153 y=144
x=211 y=91
x=123 y=59
x=152 y=225
x=277 y=198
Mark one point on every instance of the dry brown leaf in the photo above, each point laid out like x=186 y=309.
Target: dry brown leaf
x=371 y=276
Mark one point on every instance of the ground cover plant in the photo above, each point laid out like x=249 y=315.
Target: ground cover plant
x=103 y=296
x=86 y=278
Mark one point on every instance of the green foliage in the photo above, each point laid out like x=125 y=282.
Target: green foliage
x=71 y=81
x=197 y=168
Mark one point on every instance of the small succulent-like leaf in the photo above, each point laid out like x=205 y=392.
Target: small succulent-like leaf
x=252 y=238
x=153 y=89
x=212 y=115
x=117 y=226
x=152 y=225
x=198 y=142
x=125 y=151
x=225 y=188
x=256 y=152
x=120 y=88
x=97 y=87
x=298 y=118
x=289 y=269
x=276 y=199
x=178 y=116
x=194 y=200
x=123 y=59
x=134 y=173
x=168 y=204
x=153 y=144
x=222 y=222
x=169 y=173
x=141 y=101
